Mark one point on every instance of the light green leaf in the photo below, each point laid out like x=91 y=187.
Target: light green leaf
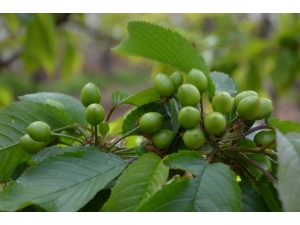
x=252 y=201
x=40 y=41
x=14 y=119
x=137 y=184
x=284 y=126
x=118 y=96
x=288 y=148
x=222 y=82
x=214 y=187
x=73 y=106
x=64 y=182
x=140 y=98
x=155 y=42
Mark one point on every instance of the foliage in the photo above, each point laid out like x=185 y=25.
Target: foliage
x=81 y=170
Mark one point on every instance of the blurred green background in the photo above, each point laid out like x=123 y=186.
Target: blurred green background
x=63 y=52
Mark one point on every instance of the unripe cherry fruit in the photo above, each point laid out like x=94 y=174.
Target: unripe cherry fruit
x=150 y=122
x=198 y=79
x=90 y=94
x=243 y=95
x=193 y=138
x=177 y=79
x=162 y=138
x=222 y=102
x=214 y=122
x=94 y=114
x=249 y=107
x=266 y=108
x=264 y=137
x=188 y=95
x=39 y=131
x=29 y=145
x=103 y=128
x=163 y=85
x=189 y=117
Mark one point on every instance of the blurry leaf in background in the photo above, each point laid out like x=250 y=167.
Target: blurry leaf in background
x=72 y=59
x=40 y=44
x=6 y=96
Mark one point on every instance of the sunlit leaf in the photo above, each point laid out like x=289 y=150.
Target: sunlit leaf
x=214 y=187
x=137 y=184
x=155 y=42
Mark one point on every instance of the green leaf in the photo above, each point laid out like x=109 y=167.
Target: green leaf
x=174 y=108
x=97 y=202
x=63 y=182
x=72 y=59
x=157 y=43
x=54 y=150
x=10 y=157
x=245 y=142
x=138 y=99
x=223 y=82
x=137 y=184
x=73 y=106
x=132 y=118
x=252 y=201
x=14 y=119
x=284 y=126
x=118 y=96
x=214 y=187
x=269 y=193
x=288 y=148
x=40 y=42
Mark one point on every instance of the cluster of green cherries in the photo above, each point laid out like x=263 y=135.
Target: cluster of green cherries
x=39 y=133
x=197 y=125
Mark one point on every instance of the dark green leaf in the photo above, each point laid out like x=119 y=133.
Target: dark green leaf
x=40 y=42
x=97 y=202
x=72 y=105
x=284 y=126
x=64 y=182
x=269 y=193
x=137 y=184
x=252 y=201
x=214 y=187
x=245 y=142
x=155 y=42
x=54 y=150
x=174 y=108
x=288 y=148
x=18 y=170
x=222 y=82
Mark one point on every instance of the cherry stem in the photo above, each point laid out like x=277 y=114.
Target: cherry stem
x=233 y=120
x=124 y=136
x=67 y=136
x=110 y=113
x=270 y=177
x=76 y=126
x=96 y=135
x=251 y=130
x=211 y=155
